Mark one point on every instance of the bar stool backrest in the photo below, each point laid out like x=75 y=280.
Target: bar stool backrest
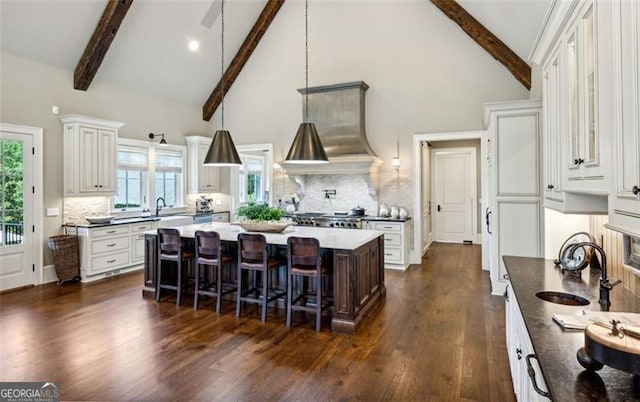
x=304 y=252
x=170 y=245
x=252 y=249
x=208 y=246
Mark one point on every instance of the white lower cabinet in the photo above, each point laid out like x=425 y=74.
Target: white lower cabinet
x=112 y=250
x=519 y=349
x=396 y=241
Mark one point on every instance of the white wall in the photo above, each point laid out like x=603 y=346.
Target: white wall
x=558 y=227
x=28 y=90
x=425 y=75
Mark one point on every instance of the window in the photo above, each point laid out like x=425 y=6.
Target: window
x=11 y=192
x=169 y=177
x=251 y=178
x=146 y=173
x=132 y=178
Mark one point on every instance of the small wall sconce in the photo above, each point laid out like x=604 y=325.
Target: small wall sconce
x=395 y=162
x=162 y=140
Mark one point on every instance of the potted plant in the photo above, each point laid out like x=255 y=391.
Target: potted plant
x=261 y=218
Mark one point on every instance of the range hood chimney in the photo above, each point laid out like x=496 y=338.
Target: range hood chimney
x=338 y=112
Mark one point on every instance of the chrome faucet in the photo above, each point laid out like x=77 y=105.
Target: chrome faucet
x=158 y=207
x=605 y=285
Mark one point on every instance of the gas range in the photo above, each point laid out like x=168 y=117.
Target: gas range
x=321 y=219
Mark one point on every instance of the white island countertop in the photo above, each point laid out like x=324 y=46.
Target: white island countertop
x=341 y=239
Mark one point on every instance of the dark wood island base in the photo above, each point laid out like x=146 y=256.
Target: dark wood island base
x=358 y=273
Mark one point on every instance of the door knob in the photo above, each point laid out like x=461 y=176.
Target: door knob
x=635 y=190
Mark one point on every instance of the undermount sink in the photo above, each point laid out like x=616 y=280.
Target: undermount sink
x=562 y=298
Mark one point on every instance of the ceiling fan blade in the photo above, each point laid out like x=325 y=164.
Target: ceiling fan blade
x=212 y=14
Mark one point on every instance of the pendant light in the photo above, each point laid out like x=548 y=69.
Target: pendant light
x=222 y=151
x=306 y=146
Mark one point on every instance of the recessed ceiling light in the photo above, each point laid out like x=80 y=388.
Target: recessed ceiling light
x=194 y=45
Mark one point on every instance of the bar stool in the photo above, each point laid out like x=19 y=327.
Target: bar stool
x=209 y=254
x=170 y=249
x=252 y=257
x=305 y=262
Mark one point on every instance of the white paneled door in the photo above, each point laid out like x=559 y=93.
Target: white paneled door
x=17 y=239
x=455 y=193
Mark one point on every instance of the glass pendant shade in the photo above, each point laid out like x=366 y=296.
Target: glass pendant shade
x=222 y=151
x=306 y=146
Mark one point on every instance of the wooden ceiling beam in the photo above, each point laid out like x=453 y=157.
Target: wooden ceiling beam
x=99 y=44
x=491 y=43
x=267 y=15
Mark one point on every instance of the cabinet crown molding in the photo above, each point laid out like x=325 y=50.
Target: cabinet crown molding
x=94 y=121
x=555 y=20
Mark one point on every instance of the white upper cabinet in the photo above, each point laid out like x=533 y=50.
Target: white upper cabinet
x=204 y=179
x=624 y=200
x=90 y=150
x=586 y=170
x=577 y=133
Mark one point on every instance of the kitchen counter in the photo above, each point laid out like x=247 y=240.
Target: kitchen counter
x=339 y=239
x=556 y=349
x=385 y=219
x=357 y=265
x=136 y=219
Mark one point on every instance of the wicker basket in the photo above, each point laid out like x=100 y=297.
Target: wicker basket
x=66 y=256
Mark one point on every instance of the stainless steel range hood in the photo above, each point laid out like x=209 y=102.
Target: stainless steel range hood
x=338 y=112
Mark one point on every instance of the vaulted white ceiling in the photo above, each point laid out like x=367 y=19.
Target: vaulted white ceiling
x=150 y=51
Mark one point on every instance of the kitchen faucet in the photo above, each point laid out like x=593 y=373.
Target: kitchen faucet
x=605 y=285
x=158 y=208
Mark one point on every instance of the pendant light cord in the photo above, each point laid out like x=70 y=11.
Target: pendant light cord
x=306 y=59
x=222 y=63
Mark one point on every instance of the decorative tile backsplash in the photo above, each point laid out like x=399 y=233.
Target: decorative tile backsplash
x=351 y=191
x=77 y=208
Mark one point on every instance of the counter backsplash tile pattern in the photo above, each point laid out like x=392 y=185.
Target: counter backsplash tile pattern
x=77 y=208
x=351 y=191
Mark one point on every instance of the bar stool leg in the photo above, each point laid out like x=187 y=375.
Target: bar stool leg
x=179 y=284
x=158 y=277
x=239 y=297
x=195 y=296
x=218 y=285
x=318 y=302
x=265 y=294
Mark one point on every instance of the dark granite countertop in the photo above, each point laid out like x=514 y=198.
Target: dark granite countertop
x=556 y=349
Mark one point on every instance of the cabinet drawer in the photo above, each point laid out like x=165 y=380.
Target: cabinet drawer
x=110 y=231
x=388 y=226
x=142 y=227
x=108 y=245
x=392 y=239
x=110 y=261
x=392 y=255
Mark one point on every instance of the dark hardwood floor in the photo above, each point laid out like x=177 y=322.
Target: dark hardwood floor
x=438 y=336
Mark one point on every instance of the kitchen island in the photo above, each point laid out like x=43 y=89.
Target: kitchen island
x=555 y=348
x=355 y=255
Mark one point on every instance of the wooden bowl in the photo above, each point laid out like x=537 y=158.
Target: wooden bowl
x=269 y=227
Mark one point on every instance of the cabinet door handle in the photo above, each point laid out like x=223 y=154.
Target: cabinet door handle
x=389 y=254
x=550 y=186
x=519 y=353
x=532 y=376
x=111 y=231
x=388 y=227
x=506 y=293
x=635 y=190
x=141 y=227
x=487 y=214
x=111 y=245
x=100 y=186
x=110 y=261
